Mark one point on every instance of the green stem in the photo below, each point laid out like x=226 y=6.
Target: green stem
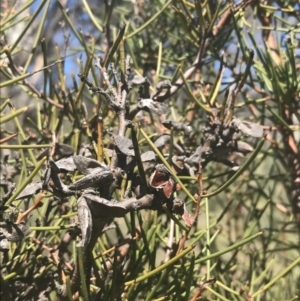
x=15 y=113
x=51 y=228
x=21 y=146
x=82 y=274
x=207 y=237
x=27 y=181
x=162 y=267
x=148 y=22
x=231 y=248
x=278 y=277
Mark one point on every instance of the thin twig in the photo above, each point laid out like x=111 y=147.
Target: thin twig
x=16 y=70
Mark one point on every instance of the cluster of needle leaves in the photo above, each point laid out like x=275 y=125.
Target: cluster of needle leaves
x=151 y=183
x=125 y=179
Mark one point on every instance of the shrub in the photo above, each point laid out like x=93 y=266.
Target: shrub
x=165 y=166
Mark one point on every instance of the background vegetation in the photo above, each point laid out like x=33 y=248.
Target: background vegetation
x=245 y=242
